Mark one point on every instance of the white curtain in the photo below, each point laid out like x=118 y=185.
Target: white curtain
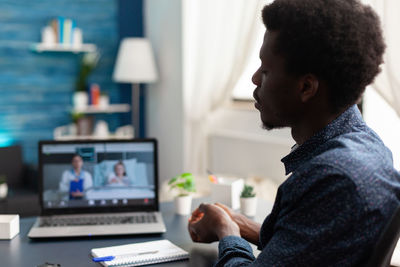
x=387 y=83
x=218 y=37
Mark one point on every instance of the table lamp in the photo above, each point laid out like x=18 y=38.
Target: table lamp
x=135 y=64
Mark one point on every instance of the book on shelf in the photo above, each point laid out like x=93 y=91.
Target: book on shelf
x=65 y=32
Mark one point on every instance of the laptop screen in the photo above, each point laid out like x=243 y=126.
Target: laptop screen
x=93 y=176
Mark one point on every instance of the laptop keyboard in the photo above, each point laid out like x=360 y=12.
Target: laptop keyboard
x=97 y=220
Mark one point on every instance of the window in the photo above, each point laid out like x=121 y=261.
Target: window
x=377 y=113
x=384 y=121
x=244 y=88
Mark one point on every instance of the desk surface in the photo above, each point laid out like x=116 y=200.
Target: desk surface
x=21 y=251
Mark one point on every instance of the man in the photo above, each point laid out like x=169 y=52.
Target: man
x=76 y=181
x=316 y=60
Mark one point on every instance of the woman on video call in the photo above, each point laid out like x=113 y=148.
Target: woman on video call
x=118 y=177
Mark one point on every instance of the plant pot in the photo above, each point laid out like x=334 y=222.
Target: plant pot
x=80 y=100
x=84 y=125
x=3 y=190
x=248 y=206
x=183 y=205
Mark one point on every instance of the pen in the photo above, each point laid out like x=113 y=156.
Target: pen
x=110 y=258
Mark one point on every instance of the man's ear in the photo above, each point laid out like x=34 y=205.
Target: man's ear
x=309 y=86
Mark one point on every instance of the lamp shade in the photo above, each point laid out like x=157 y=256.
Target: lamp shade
x=135 y=62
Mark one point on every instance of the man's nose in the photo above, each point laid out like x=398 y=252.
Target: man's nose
x=256 y=78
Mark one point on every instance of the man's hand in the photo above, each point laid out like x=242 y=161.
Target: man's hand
x=249 y=229
x=210 y=223
x=77 y=193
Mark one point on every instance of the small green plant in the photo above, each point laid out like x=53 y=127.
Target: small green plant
x=88 y=63
x=75 y=116
x=3 y=179
x=184 y=183
x=247 y=191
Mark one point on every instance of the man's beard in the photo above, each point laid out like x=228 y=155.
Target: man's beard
x=270 y=127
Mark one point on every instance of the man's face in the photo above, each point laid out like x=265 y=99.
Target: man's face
x=275 y=94
x=77 y=162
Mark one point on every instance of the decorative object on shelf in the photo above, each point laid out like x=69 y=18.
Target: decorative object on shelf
x=94 y=94
x=101 y=129
x=104 y=101
x=248 y=201
x=135 y=64
x=126 y=131
x=3 y=186
x=80 y=100
x=84 y=124
x=184 y=184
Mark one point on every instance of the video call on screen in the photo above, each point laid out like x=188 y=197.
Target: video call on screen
x=98 y=174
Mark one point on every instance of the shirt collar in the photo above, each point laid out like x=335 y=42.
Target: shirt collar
x=302 y=153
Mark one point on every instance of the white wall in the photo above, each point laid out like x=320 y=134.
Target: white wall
x=238 y=145
x=164 y=99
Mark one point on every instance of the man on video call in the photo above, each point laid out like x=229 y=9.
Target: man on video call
x=76 y=180
x=316 y=60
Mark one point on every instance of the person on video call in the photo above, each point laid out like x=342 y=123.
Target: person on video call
x=118 y=177
x=75 y=180
x=316 y=60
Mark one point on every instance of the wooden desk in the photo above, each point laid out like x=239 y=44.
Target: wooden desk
x=21 y=251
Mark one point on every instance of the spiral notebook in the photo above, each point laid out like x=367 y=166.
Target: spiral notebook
x=139 y=254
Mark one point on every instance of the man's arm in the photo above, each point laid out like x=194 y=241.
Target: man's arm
x=327 y=225
x=210 y=223
x=249 y=229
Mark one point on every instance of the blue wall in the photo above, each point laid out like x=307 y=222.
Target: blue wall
x=130 y=20
x=36 y=88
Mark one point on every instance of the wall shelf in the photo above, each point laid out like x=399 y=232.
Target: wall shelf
x=112 y=108
x=41 y=47
x=92 y=137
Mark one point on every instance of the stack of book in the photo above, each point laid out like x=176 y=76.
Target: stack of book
x=62 y=31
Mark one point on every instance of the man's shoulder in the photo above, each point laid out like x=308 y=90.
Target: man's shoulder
x=361 y=148
x=364 y=166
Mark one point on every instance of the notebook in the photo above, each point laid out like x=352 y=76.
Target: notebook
x=139 y=254
x=98 y=187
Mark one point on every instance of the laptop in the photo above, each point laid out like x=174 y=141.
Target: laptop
x=98 y=187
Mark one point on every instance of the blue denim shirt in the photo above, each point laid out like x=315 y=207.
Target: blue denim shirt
x=342 y=191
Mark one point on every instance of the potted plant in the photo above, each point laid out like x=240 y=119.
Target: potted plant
x=248 y=201
x=84 y=124
x=184 y=185
x=3 y=186
x=88 y=64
